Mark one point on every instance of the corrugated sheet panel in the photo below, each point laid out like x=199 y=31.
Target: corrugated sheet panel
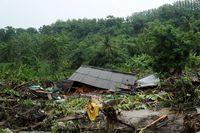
x=150 y=80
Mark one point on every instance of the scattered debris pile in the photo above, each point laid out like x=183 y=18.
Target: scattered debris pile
x=89 y=79
x=191 y=123
x=91 y=100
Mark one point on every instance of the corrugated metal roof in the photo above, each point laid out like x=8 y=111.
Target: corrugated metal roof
x=103 y=78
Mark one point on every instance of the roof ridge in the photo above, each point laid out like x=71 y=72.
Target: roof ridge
x=110 y=70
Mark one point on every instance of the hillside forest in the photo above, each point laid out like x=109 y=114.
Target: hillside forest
x=165 y=40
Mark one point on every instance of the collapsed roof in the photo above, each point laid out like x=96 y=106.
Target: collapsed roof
x=103 y=78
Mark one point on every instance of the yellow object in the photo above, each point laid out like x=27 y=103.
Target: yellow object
x=92 y=110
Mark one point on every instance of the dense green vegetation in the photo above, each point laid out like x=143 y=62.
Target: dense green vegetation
x=164 y=40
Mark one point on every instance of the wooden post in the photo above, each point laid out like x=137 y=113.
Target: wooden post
x=109 y=125
x=111 y=118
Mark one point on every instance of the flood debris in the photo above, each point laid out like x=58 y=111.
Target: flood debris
x=111 y=118
x=191 y=123
x=110 y=81
x=88 y=79
x=92 y=110
x=33 y=115
x=84 y=103
x=161 y=118
x=51 y=92
x=65 y=85
x=148 y=81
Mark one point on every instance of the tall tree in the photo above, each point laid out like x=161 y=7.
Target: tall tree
x=171 y=52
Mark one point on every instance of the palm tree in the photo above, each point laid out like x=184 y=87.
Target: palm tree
x=107 y=46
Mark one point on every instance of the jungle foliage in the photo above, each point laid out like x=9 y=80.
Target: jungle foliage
x=164 y=40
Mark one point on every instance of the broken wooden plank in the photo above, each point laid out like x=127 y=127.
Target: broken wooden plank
x=163 y=117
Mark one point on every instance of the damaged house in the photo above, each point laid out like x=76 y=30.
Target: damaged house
x=103 y=79
x=86 y=78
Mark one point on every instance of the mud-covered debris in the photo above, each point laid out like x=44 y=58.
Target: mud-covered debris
x=191 y=123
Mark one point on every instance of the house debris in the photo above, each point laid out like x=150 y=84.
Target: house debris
x=64 y=85
x=149 y=81
x=104 y=78
x=88 y=79
x=110 y=80
x=48 y=89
